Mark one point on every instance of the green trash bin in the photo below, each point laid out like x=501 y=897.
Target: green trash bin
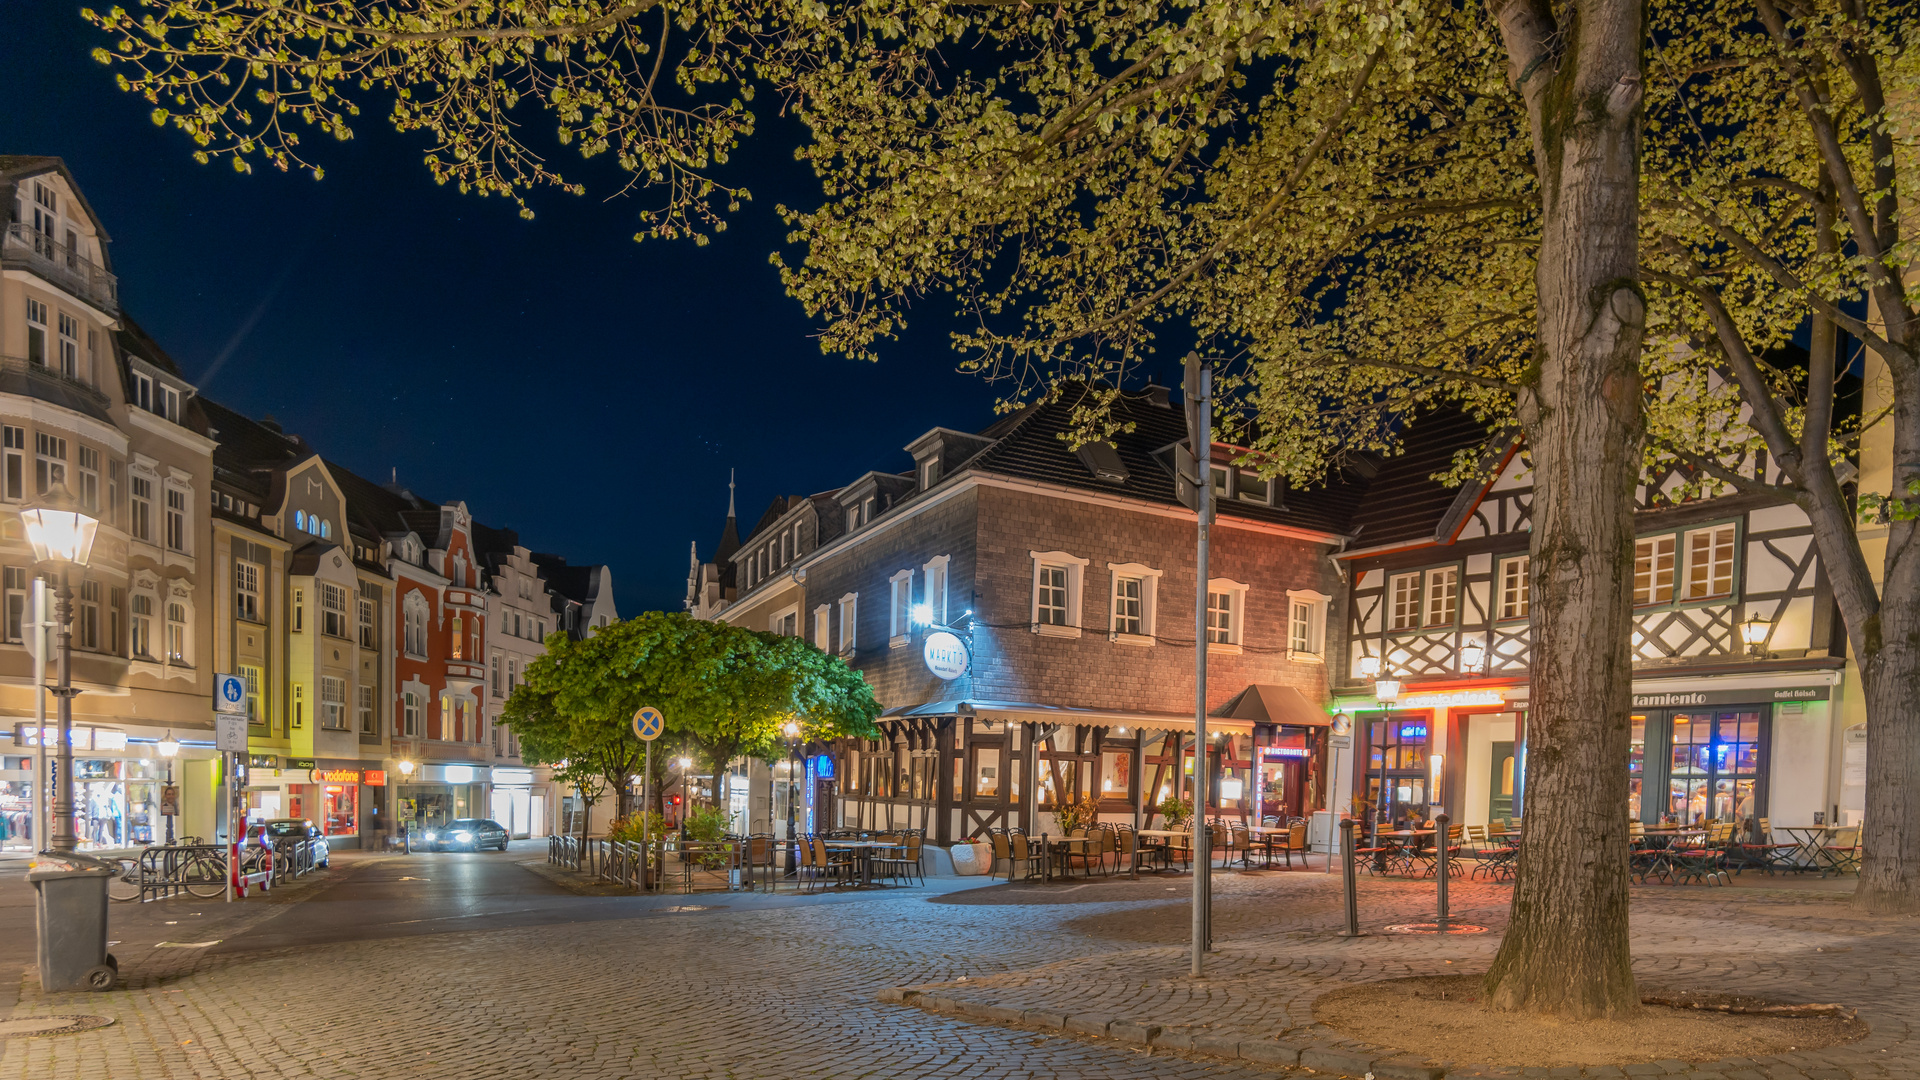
x=70 y=902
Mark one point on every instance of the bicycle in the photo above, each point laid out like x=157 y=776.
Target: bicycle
x=125 y=883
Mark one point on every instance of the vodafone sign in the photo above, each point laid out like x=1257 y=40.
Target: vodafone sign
x=945 y=655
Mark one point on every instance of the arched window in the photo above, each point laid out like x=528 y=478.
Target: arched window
x=177 y=633
x=416 y=624
x=459 y=638
x=326 y=530
x=300 y=520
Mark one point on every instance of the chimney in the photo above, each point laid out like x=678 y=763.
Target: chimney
x=1157 y=395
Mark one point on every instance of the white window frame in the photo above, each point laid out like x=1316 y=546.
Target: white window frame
x=849 y=623
x=179 y=643
x=900 y=609
x=246 y=590
x=822 y=626
x=141 y=525
x=412 y=714
x=1236 y=615
x=1240 y=491
x=1687 y=593
x=1149 y=579
x=778 y=618
x=177 y=520
x=87 y=466
x=369 y=721
x=1515 y=603
x=415 y=643
x=929 y=473
x=333 y=610
x=1430 y=592
x=1312 y=606
x=933 y=590
x=13 y=483
x=1651 y=596
x=1404 y=608
x=1076 y=574
x=333 y=703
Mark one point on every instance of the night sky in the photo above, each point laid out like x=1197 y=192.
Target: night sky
x=586 y=390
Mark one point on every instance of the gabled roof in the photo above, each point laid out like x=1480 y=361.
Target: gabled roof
x=17 y=167
x=1403 y=504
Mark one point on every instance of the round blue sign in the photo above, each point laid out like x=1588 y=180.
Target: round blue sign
x=648 y=723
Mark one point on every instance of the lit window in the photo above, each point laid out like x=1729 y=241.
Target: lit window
x=1406 y=601
x=1515 y=595
x=1443 y=596
x=1710 y=562
x=1653 y=570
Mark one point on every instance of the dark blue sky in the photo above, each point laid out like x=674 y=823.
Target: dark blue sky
x=565 y=381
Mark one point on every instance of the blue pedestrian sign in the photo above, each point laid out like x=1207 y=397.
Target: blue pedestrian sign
x=648 y=723
x=229 y=694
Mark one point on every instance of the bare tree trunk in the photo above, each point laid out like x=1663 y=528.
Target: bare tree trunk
x=1566 y=949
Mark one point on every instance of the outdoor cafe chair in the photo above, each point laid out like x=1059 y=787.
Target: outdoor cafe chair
x=1841 y=855
x=1127 y=849
x=1002 y=852
x=903 y=860
x=1238 y=840
x=760 y=847
x=1763 y=853
x=1021 y=854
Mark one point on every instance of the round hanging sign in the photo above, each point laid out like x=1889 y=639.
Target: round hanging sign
x=945 y=654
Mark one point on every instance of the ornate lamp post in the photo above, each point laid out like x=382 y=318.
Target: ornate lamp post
x=792 y=732
x=169 y=748
x=63 y=536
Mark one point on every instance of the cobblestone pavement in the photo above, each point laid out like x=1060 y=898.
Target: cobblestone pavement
x=1275 y=955
x=539 y=982
x=744 y=987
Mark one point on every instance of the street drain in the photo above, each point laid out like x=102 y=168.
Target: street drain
x=50 y=1025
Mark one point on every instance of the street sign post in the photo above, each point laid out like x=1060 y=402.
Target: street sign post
x=648 y=723
x=230 y=695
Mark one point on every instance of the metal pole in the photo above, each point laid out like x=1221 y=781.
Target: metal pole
x=793 y=793
x=233 y=835
x=63 y=838
x=1440 y=846
x=646 y=822
x=1348 y=879
x=1200 y=429
x=37 y=650
x=1333 y=798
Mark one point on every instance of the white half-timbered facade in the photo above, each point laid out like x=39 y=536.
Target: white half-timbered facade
x=1738 y=650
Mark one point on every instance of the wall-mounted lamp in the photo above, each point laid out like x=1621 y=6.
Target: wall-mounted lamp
x=921 y=614
x=1754 y=633
x=1472 y=655
x=1369 y=667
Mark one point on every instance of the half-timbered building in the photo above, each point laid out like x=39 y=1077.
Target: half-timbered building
x=1738 y=649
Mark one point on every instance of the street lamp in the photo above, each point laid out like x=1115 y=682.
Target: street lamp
x=170 y=748
x=406 y=826
x=1472 y=655
x=686 y=766
x=60 y=534
x=792 y=732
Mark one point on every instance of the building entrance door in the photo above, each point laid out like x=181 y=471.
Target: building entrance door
x=1500 y=784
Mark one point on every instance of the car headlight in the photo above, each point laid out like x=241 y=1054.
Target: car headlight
x=463 y=837
x=430 y=836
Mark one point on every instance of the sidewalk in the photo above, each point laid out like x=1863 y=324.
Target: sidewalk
x=1276 y=951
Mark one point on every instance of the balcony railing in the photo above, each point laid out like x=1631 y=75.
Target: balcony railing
x=29 y=248
x=38 y=374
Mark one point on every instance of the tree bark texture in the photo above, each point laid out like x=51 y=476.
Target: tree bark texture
x=1566 y=952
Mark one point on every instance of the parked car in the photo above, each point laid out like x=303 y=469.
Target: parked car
x=280 y=831
x=465 y=834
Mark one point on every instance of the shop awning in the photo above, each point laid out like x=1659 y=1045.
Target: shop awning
x=1266 y=703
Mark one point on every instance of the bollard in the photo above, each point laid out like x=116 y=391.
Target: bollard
x=1441 y=848
x=1347 y=876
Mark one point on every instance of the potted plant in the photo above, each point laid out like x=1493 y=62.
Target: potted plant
x=1077 y=815
x=1176 y=811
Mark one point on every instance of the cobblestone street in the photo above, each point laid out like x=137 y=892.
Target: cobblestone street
x=477 y=966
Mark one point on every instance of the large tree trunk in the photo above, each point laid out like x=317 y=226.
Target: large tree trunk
x=1566 y=949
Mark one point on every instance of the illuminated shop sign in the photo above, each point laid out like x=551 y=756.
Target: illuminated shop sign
x=79 y=738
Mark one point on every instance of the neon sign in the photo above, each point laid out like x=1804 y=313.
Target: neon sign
x=1413 y=731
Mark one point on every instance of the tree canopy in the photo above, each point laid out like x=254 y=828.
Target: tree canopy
x=728 y=690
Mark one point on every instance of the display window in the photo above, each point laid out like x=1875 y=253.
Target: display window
x=340 y=814
x=116 y=802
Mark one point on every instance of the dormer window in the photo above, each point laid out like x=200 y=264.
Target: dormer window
x=929 y=473
x=853 y=518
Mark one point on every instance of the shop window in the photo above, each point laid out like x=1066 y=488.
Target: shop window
x=986 y=772
x=1116 y=774
x=1710 y=562
x=1713 y=766
x=1515 y=595
x=1636 y=770
x=340 y=812
x=1443 y=596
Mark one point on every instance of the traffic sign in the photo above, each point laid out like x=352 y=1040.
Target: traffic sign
x=648 y=723
x=230 y=733
x=229 y=694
